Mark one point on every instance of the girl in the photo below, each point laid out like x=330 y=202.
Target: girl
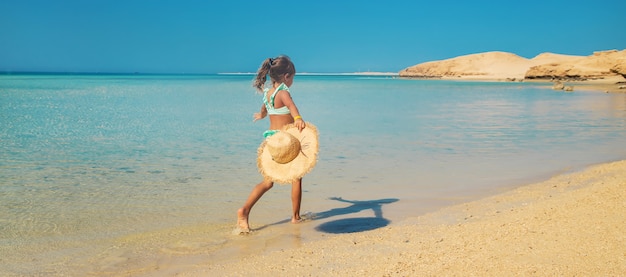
x=282 y=111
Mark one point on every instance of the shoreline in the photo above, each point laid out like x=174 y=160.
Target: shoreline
x=614 y=85
x=569 y=224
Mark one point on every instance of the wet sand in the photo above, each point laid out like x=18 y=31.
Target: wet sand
x=571 y=224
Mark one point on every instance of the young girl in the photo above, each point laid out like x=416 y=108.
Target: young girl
x=282 y=111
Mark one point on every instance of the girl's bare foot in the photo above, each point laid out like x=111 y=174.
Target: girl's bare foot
x=300 y=218
x=296 y=219
x=242 y=221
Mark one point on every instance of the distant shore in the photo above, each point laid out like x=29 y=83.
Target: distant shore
x=608 y=85
x=603 y=70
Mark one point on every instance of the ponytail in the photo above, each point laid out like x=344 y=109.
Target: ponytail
x=261 y=75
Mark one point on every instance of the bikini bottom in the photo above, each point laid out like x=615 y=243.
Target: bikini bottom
x=269 y=133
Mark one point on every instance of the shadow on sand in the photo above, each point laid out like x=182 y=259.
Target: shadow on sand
x=357 y=224
x=350 y=225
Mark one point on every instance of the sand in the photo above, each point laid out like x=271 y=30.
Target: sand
x=569 y=225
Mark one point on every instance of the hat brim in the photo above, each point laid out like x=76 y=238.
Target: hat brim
x=298 y=167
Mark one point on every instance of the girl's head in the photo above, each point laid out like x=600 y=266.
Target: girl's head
x=280 y=69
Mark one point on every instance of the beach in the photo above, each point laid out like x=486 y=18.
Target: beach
x=133 y=139
x=569 y=225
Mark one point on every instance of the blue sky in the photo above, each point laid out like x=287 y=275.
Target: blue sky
x=320 y=36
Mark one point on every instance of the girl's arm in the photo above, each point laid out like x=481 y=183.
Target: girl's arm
x=285 y=97
x=262 y=114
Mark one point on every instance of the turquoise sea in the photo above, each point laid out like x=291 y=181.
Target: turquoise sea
x=129 y=174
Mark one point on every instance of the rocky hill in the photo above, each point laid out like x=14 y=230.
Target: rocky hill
x=507 y=66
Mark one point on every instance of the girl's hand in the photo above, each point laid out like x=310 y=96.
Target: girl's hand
x=258 y=116
x=261 y=114
x=300 y=124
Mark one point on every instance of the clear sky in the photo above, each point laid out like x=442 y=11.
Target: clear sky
x=159 y=36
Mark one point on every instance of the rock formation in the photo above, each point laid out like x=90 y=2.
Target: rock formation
x=508 y=66
x=597 y=66
x=620 y=69
x=558 y=86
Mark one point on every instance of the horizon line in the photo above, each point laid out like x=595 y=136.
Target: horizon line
x=365 y=73
x=372 y=73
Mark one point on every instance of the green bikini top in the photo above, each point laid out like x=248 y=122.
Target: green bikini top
x=269 y=105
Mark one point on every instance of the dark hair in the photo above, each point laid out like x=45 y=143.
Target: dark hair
x=276 y=68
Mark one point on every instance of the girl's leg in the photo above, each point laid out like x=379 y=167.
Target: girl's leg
x=296 y=199
x=255 y=195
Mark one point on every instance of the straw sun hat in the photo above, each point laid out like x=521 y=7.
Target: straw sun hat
x=289 y=154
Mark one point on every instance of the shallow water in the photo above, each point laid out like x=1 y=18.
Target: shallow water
x=109 y=173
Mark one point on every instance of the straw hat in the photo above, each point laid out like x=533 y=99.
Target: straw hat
x=289 y=154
